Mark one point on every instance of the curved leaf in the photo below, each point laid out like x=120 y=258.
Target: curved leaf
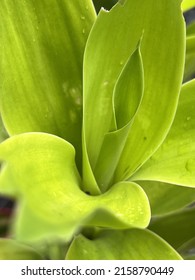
x=47 y=185
x=176 y=228
x=160 y=92
x=128 y=90
x=125 y=23
x=12 y=250
x=125 y=205
x=131 y=244
x=165 y=198
x=127 y=97
x=174 y=161
x=42 y=45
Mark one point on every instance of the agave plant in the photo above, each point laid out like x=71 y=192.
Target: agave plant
x=100 y=155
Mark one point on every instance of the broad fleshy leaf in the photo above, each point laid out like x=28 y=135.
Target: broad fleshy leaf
x=160 y=92
x=176 y=228
x=12 y=250
x=165 y=198
x=132 y=244
x=39 y=170
x=174 y=161
x=124 y=206
x=41 y=46
x=187 y=4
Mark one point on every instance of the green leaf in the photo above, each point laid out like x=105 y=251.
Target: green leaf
x=123 y=206
x=176 y=228
x=128 y=91
x=42 y=45
x=159 y=60
x=127 y=97
x=165 y=198
x=190 y=58
x=131 y=244
x=190 y=30
x=51 y=203
x=123 y=26
x=187 y=4
x=12 y=250
x=174 y=161
x=190 y=44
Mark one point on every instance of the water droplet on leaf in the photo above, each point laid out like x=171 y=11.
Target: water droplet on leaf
x=105 y=83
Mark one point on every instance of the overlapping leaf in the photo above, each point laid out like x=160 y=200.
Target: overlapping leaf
x=174 y=162
x=132 y=244
x=41 y=52
x=39 y=170
x=127 y=97
x=125 y=23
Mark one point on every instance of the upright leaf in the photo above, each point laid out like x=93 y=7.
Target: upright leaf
x=41 y=53
x=114 y=37
x=162 y=59
x=127 y=97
